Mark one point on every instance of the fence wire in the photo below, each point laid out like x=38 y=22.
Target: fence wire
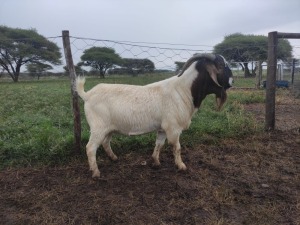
x=163 y=55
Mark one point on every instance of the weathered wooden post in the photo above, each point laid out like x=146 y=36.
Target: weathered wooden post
x=259 y=75
x=295 y=83
x=293 y=70
x=76 y=109
x=271 y=75
x=271 y=81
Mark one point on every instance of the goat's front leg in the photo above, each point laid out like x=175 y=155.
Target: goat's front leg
x=159 y=143
x=173 y=139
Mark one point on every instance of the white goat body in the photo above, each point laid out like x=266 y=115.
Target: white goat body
x=133 y=110
x=165 y=106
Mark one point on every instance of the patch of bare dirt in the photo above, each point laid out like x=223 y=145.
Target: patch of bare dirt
x=251 y=181
x=287 y=111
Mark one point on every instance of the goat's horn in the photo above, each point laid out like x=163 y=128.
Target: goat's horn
x=194 y=58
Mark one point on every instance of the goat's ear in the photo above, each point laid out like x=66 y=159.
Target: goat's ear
x=213 y=71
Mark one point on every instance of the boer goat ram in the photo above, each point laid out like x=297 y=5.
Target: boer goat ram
x=165 y=107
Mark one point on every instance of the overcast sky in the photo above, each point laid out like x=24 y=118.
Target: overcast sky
x=199 y=22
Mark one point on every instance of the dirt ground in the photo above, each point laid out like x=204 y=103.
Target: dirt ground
x=251 y=181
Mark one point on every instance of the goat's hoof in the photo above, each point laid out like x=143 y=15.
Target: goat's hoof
x=182 y=167
x=114 y=158
x=96 y=174
x=156 y=165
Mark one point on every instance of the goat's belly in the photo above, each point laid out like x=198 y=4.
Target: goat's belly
x=138 y=129
x=135 y=121
x=138 y=133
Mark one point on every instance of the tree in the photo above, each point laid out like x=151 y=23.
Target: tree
x=77 y=67
x=101 y=59
x=37 y=69
x=136 y=66
x=179 y=65
x=20 y=46
x=245 y=48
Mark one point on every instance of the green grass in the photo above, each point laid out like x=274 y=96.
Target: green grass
x=244 y=82
x=36 y=123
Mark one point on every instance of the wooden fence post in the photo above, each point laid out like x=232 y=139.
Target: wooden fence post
x=76 y=109
x=271 y=81
x=259 y=75
x=271 y=75
x=293 y=70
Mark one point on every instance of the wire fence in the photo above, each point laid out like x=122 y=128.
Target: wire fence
x=163 y=55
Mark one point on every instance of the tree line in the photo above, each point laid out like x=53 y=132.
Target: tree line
x=105 y=60
x=19 y=47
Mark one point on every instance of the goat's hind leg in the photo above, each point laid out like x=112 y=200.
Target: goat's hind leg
x=107 y=147
x=159 y=143
x=91 y=149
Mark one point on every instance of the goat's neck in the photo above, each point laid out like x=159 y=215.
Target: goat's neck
x=183 y=88
x=194 y=85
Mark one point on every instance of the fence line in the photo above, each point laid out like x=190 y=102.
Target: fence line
x=162 y=56
x=271 y=76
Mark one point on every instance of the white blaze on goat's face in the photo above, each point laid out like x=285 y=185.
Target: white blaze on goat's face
x=230 y=81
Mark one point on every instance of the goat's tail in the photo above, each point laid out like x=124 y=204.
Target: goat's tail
x=80 y=88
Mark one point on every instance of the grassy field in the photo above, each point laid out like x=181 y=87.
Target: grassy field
x=36 y=123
